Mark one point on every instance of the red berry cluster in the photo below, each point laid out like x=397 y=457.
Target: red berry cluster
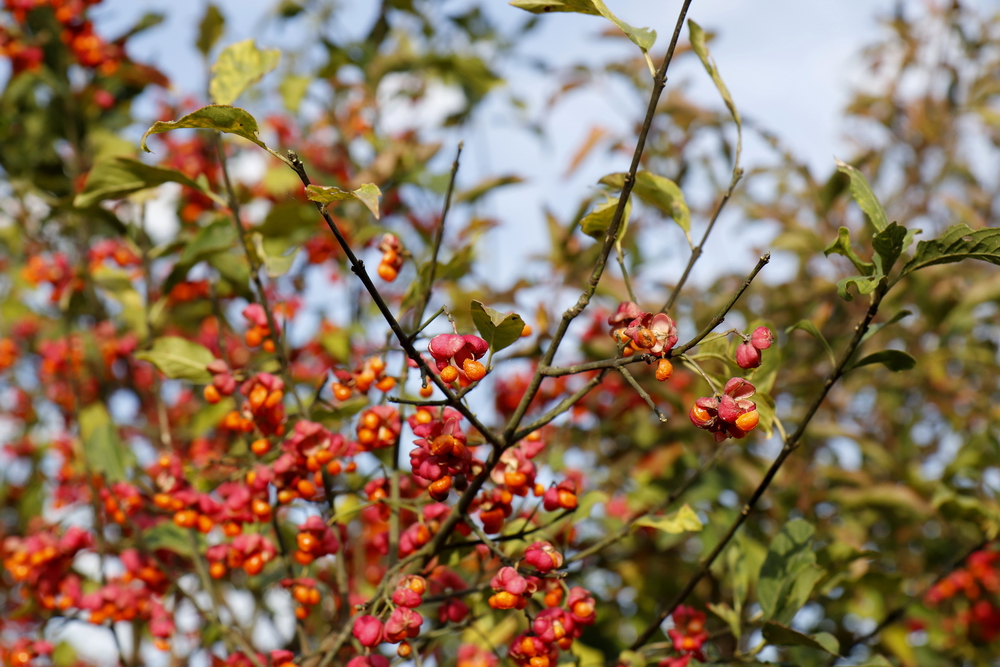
x=441 y=456
x=688 y=636
x=729 y=414
x=640 y=331
x=975 y=588
x=403 y=623
x=457 y=357
x=370 y=372
x=554 y=628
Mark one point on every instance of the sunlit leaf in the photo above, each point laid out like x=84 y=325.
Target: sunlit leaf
x=682 y=521
x=729 y=615
x=864 y=285
x=657 y=191
x=179 y=358
x=863 y=195
x=238 y=67
x=483 y=188
x=221 y=117
x=641 y=37
x=595 y=224
x=368 y=194
x=293 y=89
x=499 y=330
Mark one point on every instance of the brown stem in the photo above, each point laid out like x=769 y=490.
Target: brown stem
x=696 y=252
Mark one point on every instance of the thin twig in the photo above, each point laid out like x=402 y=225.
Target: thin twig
x=642 y=393
x=358 y=267
x=721 y=315
x=609 y=240
x=616 y=362
x=696 y=252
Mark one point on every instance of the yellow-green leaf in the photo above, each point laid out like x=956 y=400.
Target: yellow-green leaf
x=179 y=358
x=498 y=329
x=221 y=117
x=864 y=196
x=700 y=46
x=238 y=67
x=683 y=520
x=368 y=194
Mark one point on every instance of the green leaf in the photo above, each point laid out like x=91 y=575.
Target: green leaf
x=957 y=243
x=875 y=328
x=221 y=117
x=293 y=89
x=862 y=193
x=498 y=329
x=682 y=521
x=700 y=46
x=483 y=188
x=813 y=330
x=888 y=245
x=595 y=224
x=864 y=284
x=641 y=37
x=238 y=67
x=789 y=572
x=782 y=635
x=842 y=246
x=102 y=449
x=276 y=265
x=657 y=191
x=169 y=536
x=215 y=237
x=179 y=358
x=119 y=177
x=894 y=360
x=210 y=29
x=368 y=194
